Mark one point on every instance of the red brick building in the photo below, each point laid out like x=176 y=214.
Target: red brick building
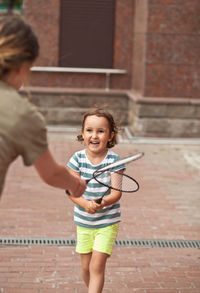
x=145 y=51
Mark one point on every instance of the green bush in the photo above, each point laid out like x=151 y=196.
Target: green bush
x=17 y=3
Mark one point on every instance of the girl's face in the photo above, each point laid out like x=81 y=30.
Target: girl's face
x=96 y=134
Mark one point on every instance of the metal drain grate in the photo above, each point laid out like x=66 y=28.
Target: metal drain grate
x=151 y=243
x=37 y=241
x=161 y=243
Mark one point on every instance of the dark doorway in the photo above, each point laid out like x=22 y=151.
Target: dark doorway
x=86 y=33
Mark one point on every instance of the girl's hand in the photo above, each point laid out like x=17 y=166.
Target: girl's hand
x=99 y=206
x=91 y=207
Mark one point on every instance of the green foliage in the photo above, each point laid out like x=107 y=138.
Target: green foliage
x=17 y=3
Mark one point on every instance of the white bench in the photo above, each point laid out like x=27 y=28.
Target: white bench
x=105 y=71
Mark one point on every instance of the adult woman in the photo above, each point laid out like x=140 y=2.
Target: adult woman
x=22 y=127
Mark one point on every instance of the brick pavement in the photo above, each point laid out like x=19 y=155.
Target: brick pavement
x=166 y=207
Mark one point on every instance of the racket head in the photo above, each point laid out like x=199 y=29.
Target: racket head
x=117 y=180
x=120 y=180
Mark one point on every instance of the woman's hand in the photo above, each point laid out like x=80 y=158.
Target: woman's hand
x=77 y=186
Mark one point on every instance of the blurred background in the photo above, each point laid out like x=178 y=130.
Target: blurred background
x=138 y=58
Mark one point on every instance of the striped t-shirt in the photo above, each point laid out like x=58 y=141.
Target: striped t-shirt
x=109 y=214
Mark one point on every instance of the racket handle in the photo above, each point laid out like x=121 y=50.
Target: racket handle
x=99 y=200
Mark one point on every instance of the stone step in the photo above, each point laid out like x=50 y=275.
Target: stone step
x=64 y=106
x=145 y=116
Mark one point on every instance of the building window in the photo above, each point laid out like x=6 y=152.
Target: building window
x=86 y=33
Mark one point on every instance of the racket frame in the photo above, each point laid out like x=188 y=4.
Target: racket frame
x=121 y=162
x=111 y=166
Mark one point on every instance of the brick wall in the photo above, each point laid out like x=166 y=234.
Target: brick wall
x=44 y=18
x=45 y=21
x=156 y=41
x=167 y=46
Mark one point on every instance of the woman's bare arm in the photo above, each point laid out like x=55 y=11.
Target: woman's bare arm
x=59 y=176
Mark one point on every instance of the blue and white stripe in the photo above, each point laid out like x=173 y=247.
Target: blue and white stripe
x=108 y=215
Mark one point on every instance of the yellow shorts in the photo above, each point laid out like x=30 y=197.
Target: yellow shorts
x=101 y=239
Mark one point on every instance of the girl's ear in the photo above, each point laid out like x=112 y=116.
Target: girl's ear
x=82 y=134
x=111 y=135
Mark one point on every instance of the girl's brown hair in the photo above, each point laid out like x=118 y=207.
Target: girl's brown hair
x=18 y=43
x=112 y=124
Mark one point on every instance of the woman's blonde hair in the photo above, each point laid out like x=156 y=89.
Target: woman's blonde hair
x=18 y=43
x=112 y=124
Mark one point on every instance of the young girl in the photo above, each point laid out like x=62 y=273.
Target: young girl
x=97 y=224
x=22 y=127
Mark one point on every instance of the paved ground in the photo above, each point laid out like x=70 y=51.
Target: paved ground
x=167 y=206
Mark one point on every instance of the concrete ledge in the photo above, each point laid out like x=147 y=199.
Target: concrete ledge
x=163 y=117
x=145 y=116
x=80 y=91
x=138 y=98
x=67 y=106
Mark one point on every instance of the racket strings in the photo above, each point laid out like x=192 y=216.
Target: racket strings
x=123 y=182
x=118 y=181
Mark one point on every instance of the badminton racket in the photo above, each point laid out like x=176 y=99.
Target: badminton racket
x=114 y=176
